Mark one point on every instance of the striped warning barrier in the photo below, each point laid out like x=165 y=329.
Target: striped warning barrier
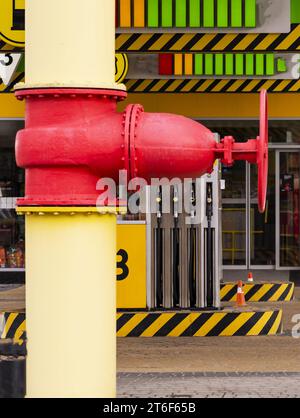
x=13 y=326
x=215 y=42
x=195 y=85
x=211 y=86
x=259 y=292
x=173 y=324
x=199 y=324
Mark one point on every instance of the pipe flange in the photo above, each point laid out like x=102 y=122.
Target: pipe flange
x=133 y=114
x=117 y=95
x=70 y=210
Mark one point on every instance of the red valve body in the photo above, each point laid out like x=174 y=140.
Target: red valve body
x=74 y=137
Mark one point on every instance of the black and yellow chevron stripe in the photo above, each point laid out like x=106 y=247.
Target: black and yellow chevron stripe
x=172 y=324
x=18 y=77
x=192 y=42
x=194 y=85
x=199 y=324
x=13 y=326
x=211 y=86
x=261 y=292
x=6 y=47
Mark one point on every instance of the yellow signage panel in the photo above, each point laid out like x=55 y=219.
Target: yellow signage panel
x=121 y=67
x=12 y=22
x=131 y=266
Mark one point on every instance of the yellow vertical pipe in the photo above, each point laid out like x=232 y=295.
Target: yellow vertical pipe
x=70 y=43
x=71 y=305
x=70 y=252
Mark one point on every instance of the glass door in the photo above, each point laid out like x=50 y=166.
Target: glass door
x=262 y=225
x=234 y=216
x=248 y=237
x=288 y=206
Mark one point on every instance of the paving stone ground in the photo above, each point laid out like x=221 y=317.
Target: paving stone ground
x=209 y=385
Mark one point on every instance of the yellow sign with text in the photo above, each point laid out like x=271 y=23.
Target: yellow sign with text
x=12 y=22
x=131 y=266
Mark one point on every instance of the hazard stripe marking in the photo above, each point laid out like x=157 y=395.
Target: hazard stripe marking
x=260 y=324
x=131 y=324
x=8 y=322
x=264 y=292
x=188 y=85
x=209 y=324
x=122 y=320
x=209 y=42
x=277 y=326
x=197 y=324
x=261 y=293
x=174 y=324
x=245 y=328
x=183 y=325
x=181 y=42
x=157 y=325
x=237 y=324
x=224 y=323
x=12 y=323
x=228 y=292
x=143 y=325
x=288 y=294
x=19 y=334
x=271 y=292
x=171 y=324
x=266 y=329
x=211 y=86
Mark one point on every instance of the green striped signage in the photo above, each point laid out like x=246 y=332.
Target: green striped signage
x=188 y=13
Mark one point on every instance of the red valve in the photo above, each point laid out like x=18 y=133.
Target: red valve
x=255 y=151
x=73 y=137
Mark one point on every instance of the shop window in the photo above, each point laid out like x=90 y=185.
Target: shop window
x=12 y=234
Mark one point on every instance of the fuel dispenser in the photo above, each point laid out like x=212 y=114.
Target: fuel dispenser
x=184 y=247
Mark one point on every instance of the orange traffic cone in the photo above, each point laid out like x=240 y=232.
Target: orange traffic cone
x=250 y=277
x=240 y=296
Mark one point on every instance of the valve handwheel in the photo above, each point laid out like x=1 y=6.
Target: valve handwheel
x=255 y=151
x=262 y=152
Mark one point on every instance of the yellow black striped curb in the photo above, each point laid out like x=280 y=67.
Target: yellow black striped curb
x=259 y=292
x=172 y=324
x=13 y=326
x=192 y=42
x=199 y=324
x=186 y=85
